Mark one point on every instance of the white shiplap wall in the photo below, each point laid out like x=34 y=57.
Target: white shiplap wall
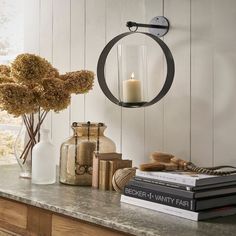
x=196 y=120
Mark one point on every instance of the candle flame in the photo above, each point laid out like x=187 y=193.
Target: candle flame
x=132 y=75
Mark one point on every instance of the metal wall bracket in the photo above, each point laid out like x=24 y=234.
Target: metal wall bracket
x=159 y=26
x=161 y=21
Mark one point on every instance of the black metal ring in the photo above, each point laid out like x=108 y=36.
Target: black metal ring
x=169 y=76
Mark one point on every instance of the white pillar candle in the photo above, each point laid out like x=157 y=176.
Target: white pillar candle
x=132 y=90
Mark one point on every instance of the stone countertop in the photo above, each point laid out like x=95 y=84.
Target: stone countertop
x=104 y=208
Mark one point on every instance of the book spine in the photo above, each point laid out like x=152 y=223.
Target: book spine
x=160 y=197
x=180 y=179
x=196 y=216
x=113 y=165
x=95 y=176
x=161 y=208
x=163 y=189
x=103 y=175
x=164 y=183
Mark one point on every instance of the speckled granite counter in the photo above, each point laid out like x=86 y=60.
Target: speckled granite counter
x=105 y=209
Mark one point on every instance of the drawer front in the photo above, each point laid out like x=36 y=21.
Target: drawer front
x=3 y=232
x=13 y=213
x=62 y=226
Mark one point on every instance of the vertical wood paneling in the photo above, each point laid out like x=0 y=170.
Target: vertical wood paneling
x=201 y=83
x=224 y=81
x=31 y=26
x=155 y=77
x=195 y=120
x=61 y=60
x=45 y=41
x=114 y=27
x=46 y=29
x=177 y=101
x=77 y=54
x=95 y=109
x=133 y=139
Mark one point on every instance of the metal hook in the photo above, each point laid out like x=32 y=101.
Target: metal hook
x=131 y=24
x=130 y=29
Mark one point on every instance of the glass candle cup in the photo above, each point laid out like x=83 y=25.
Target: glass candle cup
x=132 y=70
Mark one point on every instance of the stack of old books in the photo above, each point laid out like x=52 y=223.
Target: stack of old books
x=185 y=194
x=104 y=167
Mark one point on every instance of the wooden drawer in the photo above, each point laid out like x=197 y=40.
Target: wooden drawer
x=13 y=213
x=20 y=219
x=62 y=226
x=4 y=232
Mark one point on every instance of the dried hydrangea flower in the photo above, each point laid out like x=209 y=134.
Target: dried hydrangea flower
x=32 y=82
x=17 y=99
x=52 y=72
x=54 y=96
x=29 y=68
x=6 y=79
x=33 y=85
x=78 y=81
x=5 y=70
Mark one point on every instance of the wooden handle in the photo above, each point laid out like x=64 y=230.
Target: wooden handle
x=161 y=157
x=163 y=161
x=152 y=167
x=158 y=166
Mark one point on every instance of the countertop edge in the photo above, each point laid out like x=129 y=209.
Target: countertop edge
x=80 y=216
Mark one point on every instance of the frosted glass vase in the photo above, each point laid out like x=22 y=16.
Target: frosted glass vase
x=43 y=161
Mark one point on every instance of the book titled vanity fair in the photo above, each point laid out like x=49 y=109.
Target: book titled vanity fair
x=186 y=178
x=177 y=198
x=191 y=215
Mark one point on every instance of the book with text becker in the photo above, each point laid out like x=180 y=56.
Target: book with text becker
x=176 y=198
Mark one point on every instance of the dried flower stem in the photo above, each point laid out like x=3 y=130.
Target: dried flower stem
x=29 y=127
x=39 y=118
x=32 y=132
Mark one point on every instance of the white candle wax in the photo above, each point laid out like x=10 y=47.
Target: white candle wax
x=132 y=90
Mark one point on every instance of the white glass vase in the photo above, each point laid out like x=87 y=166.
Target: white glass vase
x=27 y=138
x=43 y=160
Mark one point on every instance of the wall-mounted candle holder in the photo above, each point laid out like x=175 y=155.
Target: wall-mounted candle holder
x=132 y=66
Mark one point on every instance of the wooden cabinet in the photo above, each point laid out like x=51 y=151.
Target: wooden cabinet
x=21 y=219
x=13 y=213
x=62 y=226
x=4 y=233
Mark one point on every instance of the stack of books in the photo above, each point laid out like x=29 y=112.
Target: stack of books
x=184 y=194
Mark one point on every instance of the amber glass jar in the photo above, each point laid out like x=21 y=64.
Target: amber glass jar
x=76 y=154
